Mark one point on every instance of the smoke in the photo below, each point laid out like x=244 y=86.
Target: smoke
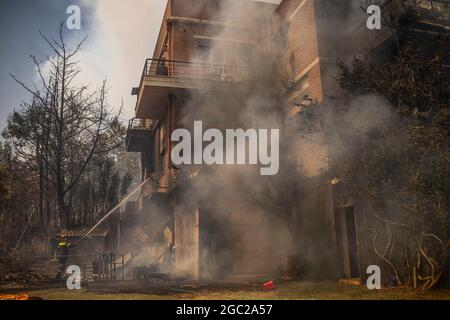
x=242 y=231
x=273 y=220
x=251 y=224
x=121 y=36
x=120 y=39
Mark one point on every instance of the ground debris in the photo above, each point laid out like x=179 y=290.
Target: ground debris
x=21 y=297
x=18 y=278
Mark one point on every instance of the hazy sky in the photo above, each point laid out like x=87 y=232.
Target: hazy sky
x=121 y=35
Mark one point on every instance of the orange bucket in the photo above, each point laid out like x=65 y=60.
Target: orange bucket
x=269 y=285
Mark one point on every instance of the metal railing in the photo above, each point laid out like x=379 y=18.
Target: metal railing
x=94 y=267
x=140 y=124
x=137 y=125
x=192 y=70
x=108 y=266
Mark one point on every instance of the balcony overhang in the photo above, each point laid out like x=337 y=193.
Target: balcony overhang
x=154 y=92
x=138 y=141
x=139 y=136
x=177 y=77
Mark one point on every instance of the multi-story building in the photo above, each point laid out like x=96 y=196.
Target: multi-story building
x=196 y=52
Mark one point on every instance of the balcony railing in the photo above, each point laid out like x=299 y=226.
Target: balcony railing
x=140 y=124
x=192 y=70
x=138 y=135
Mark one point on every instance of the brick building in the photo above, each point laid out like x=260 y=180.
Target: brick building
x=196 y=52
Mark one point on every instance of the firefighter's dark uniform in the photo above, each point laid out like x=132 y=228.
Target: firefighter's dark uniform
x=62 y=252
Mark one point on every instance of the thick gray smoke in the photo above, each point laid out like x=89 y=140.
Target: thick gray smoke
x=264 y=224
x=254 y=241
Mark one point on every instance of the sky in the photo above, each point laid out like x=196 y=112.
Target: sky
x=121 y=35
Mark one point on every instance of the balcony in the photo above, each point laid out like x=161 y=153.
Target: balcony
x=163 y=77
x=139 y=135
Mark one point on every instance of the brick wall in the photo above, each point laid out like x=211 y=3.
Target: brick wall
x=312 y=50
x=287 y=6
x=301 y=58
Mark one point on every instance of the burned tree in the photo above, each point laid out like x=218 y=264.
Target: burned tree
x=64 y=127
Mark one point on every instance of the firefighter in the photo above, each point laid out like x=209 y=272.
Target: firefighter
x=62 y=253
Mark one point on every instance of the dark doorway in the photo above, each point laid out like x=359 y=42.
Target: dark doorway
x=215 y=246
x=348 y=242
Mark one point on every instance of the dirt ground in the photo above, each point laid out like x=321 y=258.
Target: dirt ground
x=250 y=291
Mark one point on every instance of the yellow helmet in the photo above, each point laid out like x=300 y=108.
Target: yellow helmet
x=63 y=244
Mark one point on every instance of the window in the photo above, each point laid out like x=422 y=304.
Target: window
x=204 y=51
x=210 y=53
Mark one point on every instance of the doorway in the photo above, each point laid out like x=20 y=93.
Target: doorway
x=216 y=241
x=348 y=242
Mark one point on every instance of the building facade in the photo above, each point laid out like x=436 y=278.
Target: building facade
x=198 y=52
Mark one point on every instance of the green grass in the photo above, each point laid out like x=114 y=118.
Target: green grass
x=285 y=291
